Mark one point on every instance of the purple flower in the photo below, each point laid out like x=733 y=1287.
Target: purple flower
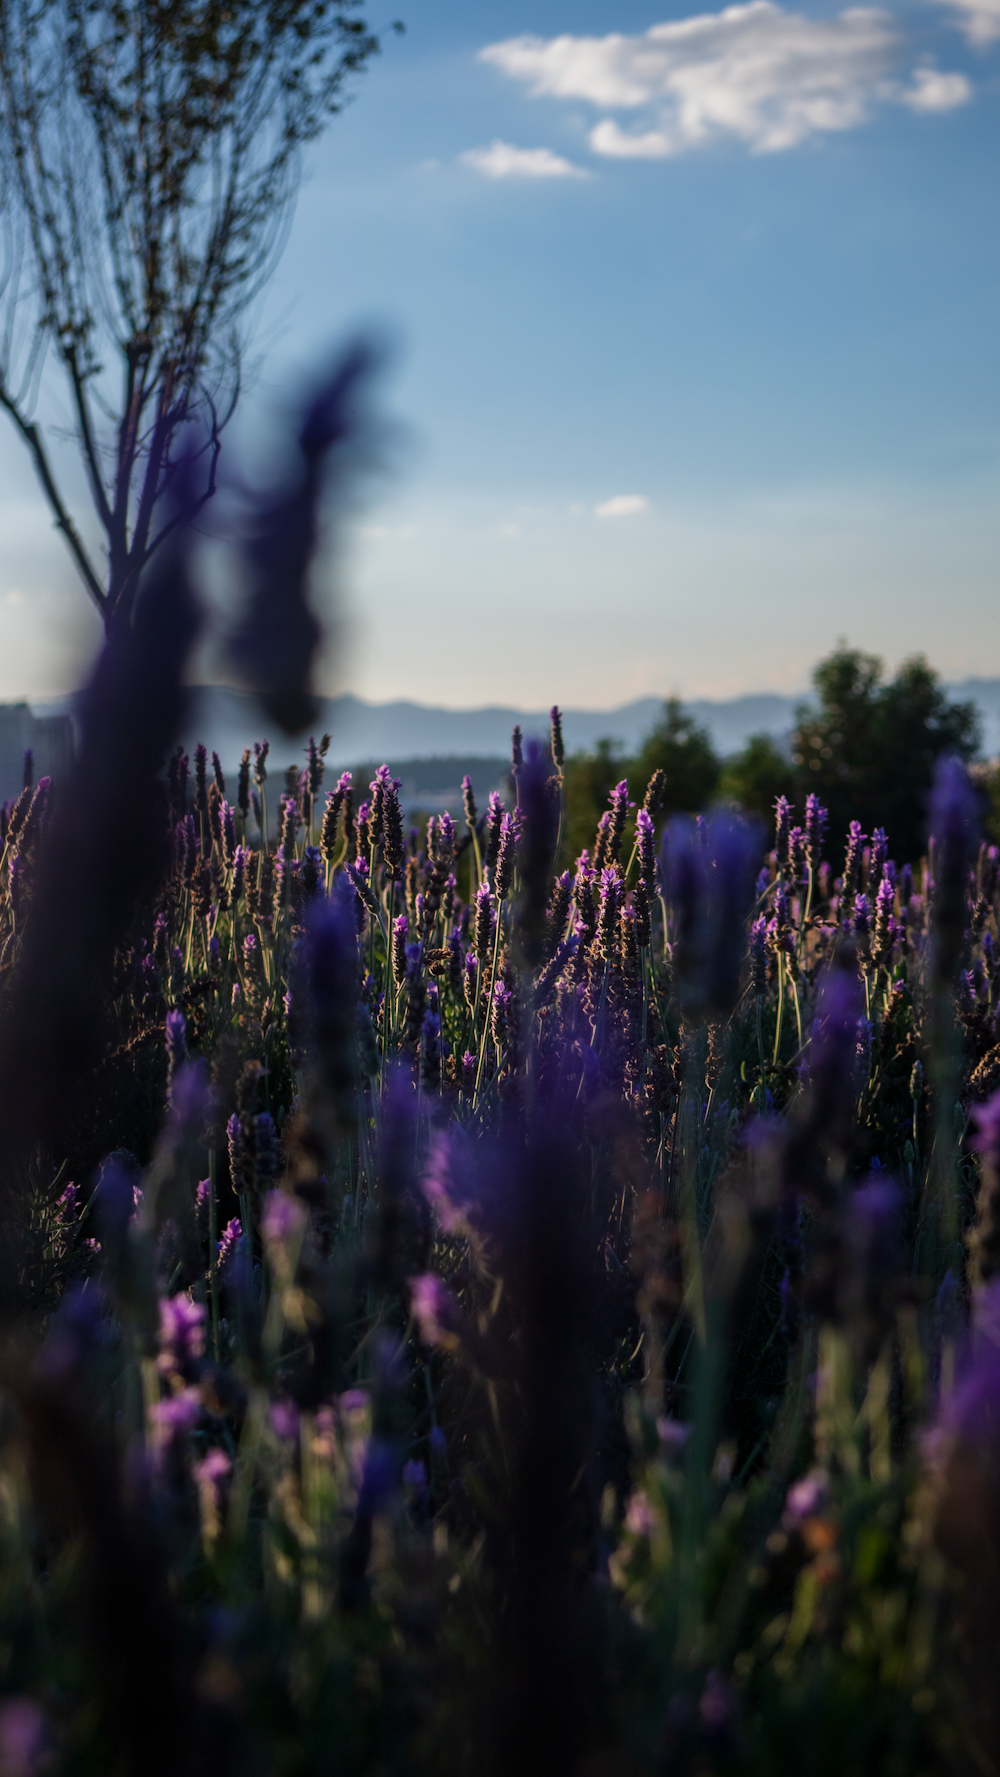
x=379 y=1479
x=265 y=1146
x=283 y=1219
x=284 y=1417
x=447 y=1170
x=640 y=1519
x=504 y=874
x=430 y=1051
x=415 y=1476
x=986 y=1140
x=718 y=1705
x=953 y=820
x=176 y=1044
x=182 y=1329
x=483 y=933
x=782 y=822
x=179 y=1413
x=274 y=644
x=539 y=807
x=435 y=1310
x=326 y=980
x=646 y=848
x=806 y=1497
x=815 y=828
x=77 y=1331
x=708 y=873
x=232 y=1234
x=190 y=1103
x=852 y=860
x=500 y=1008
x=23 y=1737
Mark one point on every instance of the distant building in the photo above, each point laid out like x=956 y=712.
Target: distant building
x=50 y=739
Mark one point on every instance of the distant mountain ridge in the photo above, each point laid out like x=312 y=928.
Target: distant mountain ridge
x=227 y=721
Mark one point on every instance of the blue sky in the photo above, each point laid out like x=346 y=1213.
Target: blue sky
x=696 y=362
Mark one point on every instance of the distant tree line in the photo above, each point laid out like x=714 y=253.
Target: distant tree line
x=866 y=745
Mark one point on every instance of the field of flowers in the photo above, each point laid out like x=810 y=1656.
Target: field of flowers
x=471 y=1308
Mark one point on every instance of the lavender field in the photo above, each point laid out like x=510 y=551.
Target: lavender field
x=473 y=1306
x=499 y=1250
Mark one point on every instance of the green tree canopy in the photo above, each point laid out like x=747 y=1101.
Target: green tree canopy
x=685 y=754
x=588 y=780
x=755 y=777
x=869 y=748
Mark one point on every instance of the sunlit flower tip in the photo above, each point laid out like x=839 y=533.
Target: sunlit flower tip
x=435 y=1310
x=68 y=1201
x=284 y=1417
x=782 y=823
x=505 y=857
x=232 y=1234
x=500 y=1005
x=494 y=820
x=645 y=840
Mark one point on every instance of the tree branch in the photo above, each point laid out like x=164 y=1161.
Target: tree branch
x=87 y=438
x=33 y=438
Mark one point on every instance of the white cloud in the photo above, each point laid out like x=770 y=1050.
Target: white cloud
x=622 y=506
x=933 y=91
x=979 y=19
x=752 y=72
x=501 y=160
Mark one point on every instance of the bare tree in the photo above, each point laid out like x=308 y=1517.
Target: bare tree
x=151 y=152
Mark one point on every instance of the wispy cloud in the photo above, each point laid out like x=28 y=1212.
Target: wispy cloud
x=753 y=72
x=931 y=90
x=979 y=19
x=501 y=160
x=622 y=506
